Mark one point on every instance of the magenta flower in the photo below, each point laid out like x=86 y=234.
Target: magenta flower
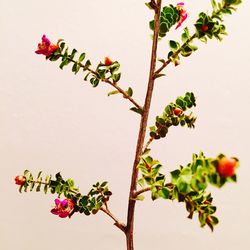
x=183 y=14
x=46 y=47
x=63 y=208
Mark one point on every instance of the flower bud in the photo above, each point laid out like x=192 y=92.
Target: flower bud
x=20 y=180
x=108 y=61
x=226 y=167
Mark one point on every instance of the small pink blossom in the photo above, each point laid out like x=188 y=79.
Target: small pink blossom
x=63 y=208
x=46 y=47
x=183 y=14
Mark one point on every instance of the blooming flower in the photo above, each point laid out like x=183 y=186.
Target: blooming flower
x=63 y=208
x=46 y=47
x=183 y=14
x=20 y=180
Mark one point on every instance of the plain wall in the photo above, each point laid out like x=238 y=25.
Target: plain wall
x=52 y=120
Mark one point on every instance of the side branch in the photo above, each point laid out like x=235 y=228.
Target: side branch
x=143 y=190
x=176 y=53
x=113 y=84
x=117 y=223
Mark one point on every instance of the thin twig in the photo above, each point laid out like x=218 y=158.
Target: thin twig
x=143 y=190
x=117 y=223
x=114 y=84
x=176 y=53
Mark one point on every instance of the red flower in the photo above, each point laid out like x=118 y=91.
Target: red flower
x=46 y=47
x=226 y=167
x=20 y=180
x=177 y=111
x=204 y=28
x=183 y=14
x=108 y=61
x=63 y=208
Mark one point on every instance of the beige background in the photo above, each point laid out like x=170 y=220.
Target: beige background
x=53 y=121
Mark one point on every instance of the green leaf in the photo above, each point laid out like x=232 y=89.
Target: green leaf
x=75 y=68
x=70 y=183
x=164 y=193
x=174 y=45
x=81 y=57
x=39 y=174
x=86 y=77
x=87 y=64
x=214 y=5
x=175 y=175
x=104 y=184
x=141 y=182
x=64 y=63
x=140 y=197
x=158 y=75
x=185 y=35
x=38 y=188
x=46 y=188
x=116 y=77
x=114 y=92
x=84 y=201
x=74 y=51
x=94 y=81
x=137 y=110
x=129 y=91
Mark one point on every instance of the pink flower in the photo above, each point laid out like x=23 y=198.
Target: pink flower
x=183 y=14
x=46 y=47
x=63 y=208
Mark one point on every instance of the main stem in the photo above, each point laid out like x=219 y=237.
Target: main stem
x=142 y=131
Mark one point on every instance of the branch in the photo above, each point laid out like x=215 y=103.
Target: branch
x=176 y=53
x=114 y=84
x=117 y=223
x=143 y=190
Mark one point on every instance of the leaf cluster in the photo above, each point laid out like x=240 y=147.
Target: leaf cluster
x=170 y=15
x=91 y=203
x=206 y=27
x=152 y=177
x=188 y=184
x=102 y=73
x=170 y=118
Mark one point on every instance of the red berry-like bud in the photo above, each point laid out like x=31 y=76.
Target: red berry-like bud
x=108 y=61
x=204 y=28
x=226 y=167
x=20 y=180
x=177 y=111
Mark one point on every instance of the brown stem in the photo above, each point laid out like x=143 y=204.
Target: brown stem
x=125 y=95
x=142 y=131
x=117 y=223
x=143 y=190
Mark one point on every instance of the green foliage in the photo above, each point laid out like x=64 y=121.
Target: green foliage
x=188 y=184
x=171 y=117
x=152 y=177
x=170 y=15
x=212 y=26
x=206 y=26
x=94 y=200
x=87 y=204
